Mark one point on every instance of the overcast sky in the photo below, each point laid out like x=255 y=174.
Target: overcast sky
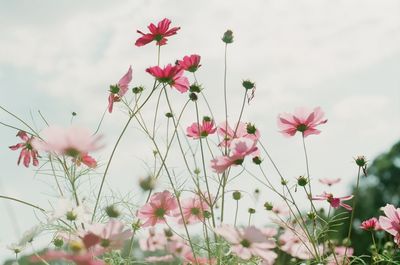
x=61 y=56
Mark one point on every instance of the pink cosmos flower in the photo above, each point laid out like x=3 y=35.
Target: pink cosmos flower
x=333 y=201
x=178 y=248
x=192 y=210
x=160 y=205
x=303 y=120
x=160 y=259
x=340 y=257
x=171 y=75
x=371 y=224
x=157 y=33
x=111 y=235
x=28 y=152
x=240 y=148
x=247 y=242
x=119 y=90
x=294 y=242
x=75 y=142
x=329 y=181
x=242 y=130
x=190 y=259
x=197 y=131
x=190 y=63
x=391 y=222
x=153 y=241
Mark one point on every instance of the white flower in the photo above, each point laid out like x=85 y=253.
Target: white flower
x=27 y=237
x=67 y=210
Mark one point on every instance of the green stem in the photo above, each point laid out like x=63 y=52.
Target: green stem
x=23 y=202
x=236 y=212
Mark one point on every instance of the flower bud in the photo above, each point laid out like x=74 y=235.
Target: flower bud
x=137 y=90
x=193 y=97
x=247 y=84
x=388 y=245
x=361 y=161
x=196 y=171
x=168 y=232
x=112 y=211
x=236 y=195
x=251 y=128
x=268 y=206
x=71 y=216
x=228 y=36
x=195 y=88
x=251 y=210
x=346 y=242
x=135 y=226
x=74 y=113
x=58 y=242
x=147 y=183
x=302 y=181
x=284 y=182
x=257 y=160
x=168 y=115
x=311 y=215
x=206 y=214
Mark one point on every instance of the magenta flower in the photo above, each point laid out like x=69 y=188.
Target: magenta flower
x=197 y=131
x=75 y=142
x=371 y=224
x=157 y=33
x=329 y=181
x=192 y=210
x=28 y=152
x=333 y=201
x=391 y=222
x=112 y=234
x=247 y=242
x=190 y=63
x=303 y=120
x=119 y=90
x=160 y=205
x=171 y=75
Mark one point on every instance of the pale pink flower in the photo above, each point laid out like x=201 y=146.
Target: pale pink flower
x=341 y=258
x=280 y=209
x=247 y=242
x=371 y=224
x=28 y=152
x=240 y=148
x=202 y=130
x=303 y=120
x=119 y=90
x=221 y=163
x=391 y=222
x=160 y=205
x=74 y=141
x=190 y=63
x=171 y=75
x=190 y=259
x=294 y=242
x=178 y=248
x=160 y=259
x=192 y=210
x=157 y=33
x=153 y=241
x=112 y=234
x=240 y=130
x=329 y=181
x=269 y=232
x=335 y=202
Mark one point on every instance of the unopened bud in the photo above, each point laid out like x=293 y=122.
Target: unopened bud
x=112 y=211
x=147 y=183
x=193 y=96
x=302 y=181
x=361 y=161
x=247 y=84
x=137 y=89
x=168 y=115
x=228 y=37
x=237 y=195
x=195 y=88
x=251 y=210
x=58 y=242
x=257 y=160
x=268 y=206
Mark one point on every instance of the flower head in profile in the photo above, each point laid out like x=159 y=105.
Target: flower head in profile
x=190 y=63
x=329 y=181
x=192 y=210
x=74 y=141
x=161 y=204
x=28 y=152
x=157 y=33
x=204 y=129
x=119 y=90
x=391 y=221
x=240 y=130
x=335 y=202
x=171 y=75
x=302 y=120
x=112 y=235
x=371 y=224
x=248 y=242
x=153 y=241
